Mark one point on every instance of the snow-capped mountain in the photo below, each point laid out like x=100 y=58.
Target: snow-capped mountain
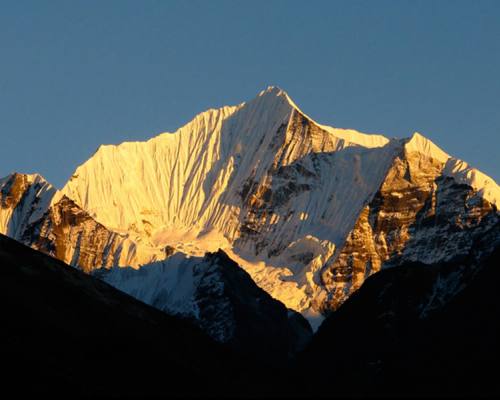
x=309 y=211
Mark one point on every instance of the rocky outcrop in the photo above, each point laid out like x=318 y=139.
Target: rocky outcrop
x=68 y=233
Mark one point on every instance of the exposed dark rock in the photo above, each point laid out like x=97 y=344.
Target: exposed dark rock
x=68 y=233
x=13 y=190
x=169 y=250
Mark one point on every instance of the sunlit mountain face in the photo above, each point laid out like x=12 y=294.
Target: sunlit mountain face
x=254 y=223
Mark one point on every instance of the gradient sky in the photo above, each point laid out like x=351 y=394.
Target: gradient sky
x=77 y=74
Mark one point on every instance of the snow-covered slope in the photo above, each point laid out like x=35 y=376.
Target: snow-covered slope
x=308 y=210
x=196 y=179
x=218 y=296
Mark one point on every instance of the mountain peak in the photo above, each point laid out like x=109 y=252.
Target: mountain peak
x=30 y=178
x=275 y=93
x=419 y=143
x=461 y=171
x=271 y=89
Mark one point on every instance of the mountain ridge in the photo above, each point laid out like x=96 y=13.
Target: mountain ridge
x=284 y=196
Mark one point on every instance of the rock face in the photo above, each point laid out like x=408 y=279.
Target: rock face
x=309 y=211
x=221 y=298
x=418 y=215
x=69 y=233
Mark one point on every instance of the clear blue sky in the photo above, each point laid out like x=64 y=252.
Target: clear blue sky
x=77 y=74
